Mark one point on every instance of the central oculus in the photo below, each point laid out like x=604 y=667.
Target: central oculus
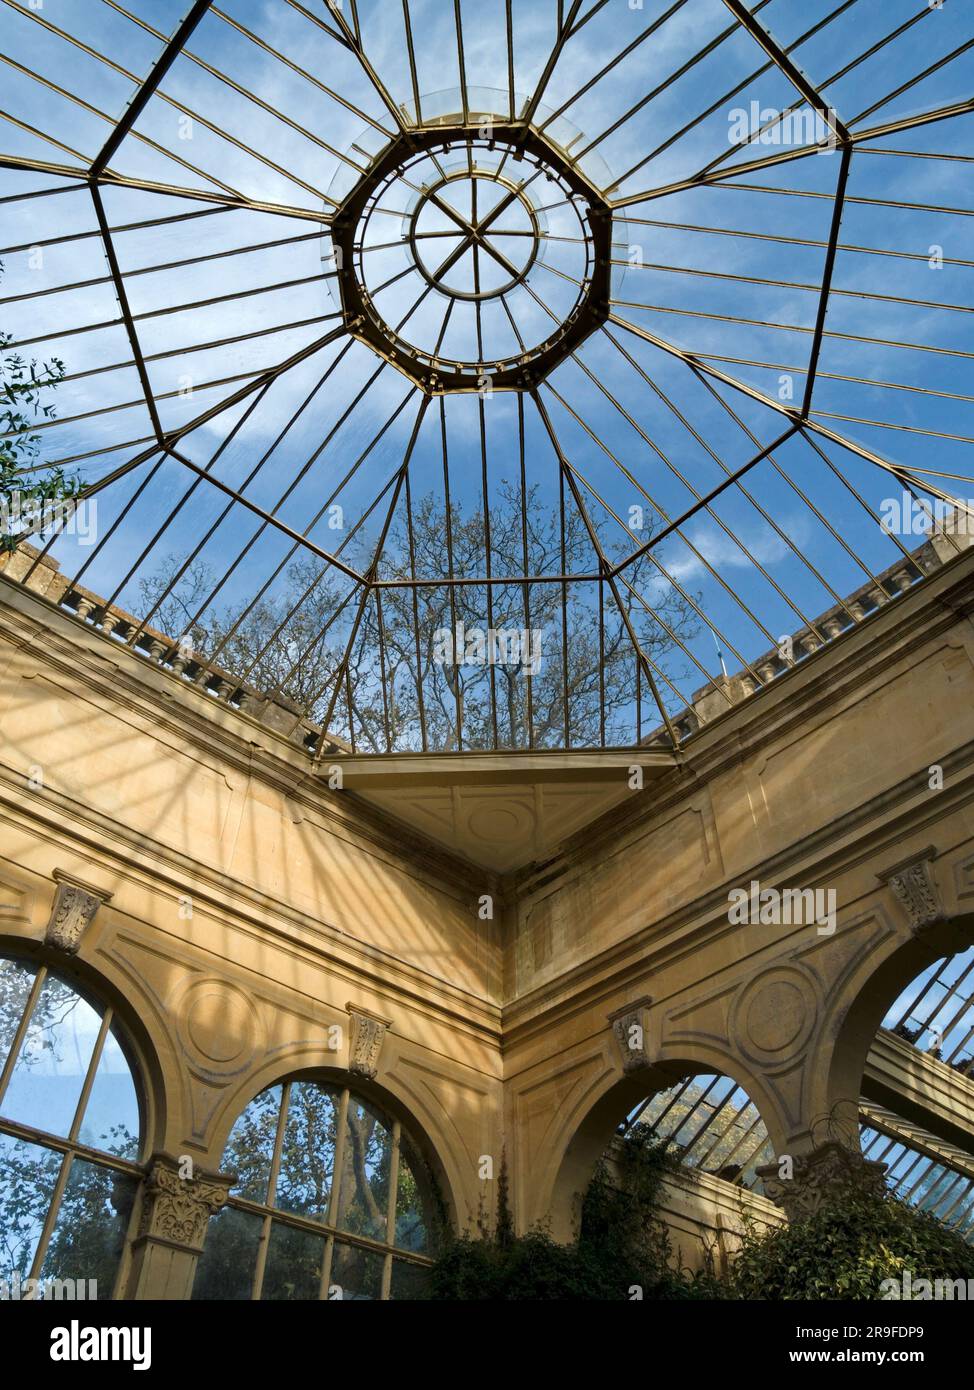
x=473 y=257
x=480 y=234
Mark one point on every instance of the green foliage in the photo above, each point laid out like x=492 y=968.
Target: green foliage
x=505 y=1220
x=847 y=1249
x=622 y=1244
x=532 y=1266
x=25 y=389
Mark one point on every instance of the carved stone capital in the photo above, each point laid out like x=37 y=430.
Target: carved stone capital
x=913 y=886
x=630 y=1032
x=75 y=905
x=365 y=1045
x=177 y=1209
x=819 y=1178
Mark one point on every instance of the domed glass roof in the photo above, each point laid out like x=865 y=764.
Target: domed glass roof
x=491 y=374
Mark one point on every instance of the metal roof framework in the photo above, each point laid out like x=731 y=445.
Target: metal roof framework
x=626 y=589
x=712 y=1126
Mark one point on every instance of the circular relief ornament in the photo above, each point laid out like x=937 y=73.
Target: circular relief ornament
x=502 y=821
x=472 y=257
x=217 y=1024
x=774 y=1015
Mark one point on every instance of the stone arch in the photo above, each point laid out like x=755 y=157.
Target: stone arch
x=858 y=1014
x=589 y=1127
x=387 y=1095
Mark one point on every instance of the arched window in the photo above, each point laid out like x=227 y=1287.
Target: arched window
x=935 y=1012
x=934 y=1015
x=712 y=1125
x=332 y=1200
x=70 y=1128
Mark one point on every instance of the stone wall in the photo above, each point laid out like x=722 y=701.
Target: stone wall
x=243 y=912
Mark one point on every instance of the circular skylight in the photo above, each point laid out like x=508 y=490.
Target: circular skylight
x=441 y=254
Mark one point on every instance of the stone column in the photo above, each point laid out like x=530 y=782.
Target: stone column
x=175 y=1214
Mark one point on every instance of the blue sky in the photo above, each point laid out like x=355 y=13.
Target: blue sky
x=316 y=121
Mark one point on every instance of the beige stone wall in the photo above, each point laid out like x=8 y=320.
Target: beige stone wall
x=821 y=781
x=247 y=906
x=248 y=909
x=706 y=1216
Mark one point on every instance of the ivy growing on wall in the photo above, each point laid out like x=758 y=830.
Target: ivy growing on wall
x=624 y=1251
x=623 y=1248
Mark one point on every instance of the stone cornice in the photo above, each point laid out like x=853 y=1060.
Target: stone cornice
x=794 y=700
x=176 y=707
x=247 y=909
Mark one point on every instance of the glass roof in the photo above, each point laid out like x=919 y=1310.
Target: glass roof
x=714 y=1127
x=490 y=374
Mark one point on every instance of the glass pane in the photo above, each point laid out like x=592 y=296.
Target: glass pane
x=15 y=982
x=294 y=1261
x=111 y=1120
x=50 y=1071
x=226 y=1267
x=364 y=1190
x=250 y=1147
x=409 y=1282
x=411 y=1230
x=355 y=1274
x=89 y=1234
x=308 y=1151
x=962 y=1218
x=27 y=1177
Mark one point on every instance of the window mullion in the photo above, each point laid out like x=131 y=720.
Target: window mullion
x=265 y=1237
x=325 y=1284
x=22 y=1027
x=391 y=1208
x=339 y=1160
x=52 y=1212
x=337 y=1164
x=90 y=1076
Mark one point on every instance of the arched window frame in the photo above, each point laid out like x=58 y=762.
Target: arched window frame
x=330 y=1231
x=69 y=1145
x=934 y=1014
x=700 y=1131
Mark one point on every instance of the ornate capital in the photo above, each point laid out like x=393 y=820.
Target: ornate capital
x=368 y=1035
x=75 y=905
x=914 y=888
x=820 y=1177
x=177 y=1209
x=629 y=1030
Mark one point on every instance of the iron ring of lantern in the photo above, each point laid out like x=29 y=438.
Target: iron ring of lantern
x=442 y=166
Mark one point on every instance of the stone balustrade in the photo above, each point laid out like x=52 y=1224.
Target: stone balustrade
x=716 y=697
x=43 y=576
